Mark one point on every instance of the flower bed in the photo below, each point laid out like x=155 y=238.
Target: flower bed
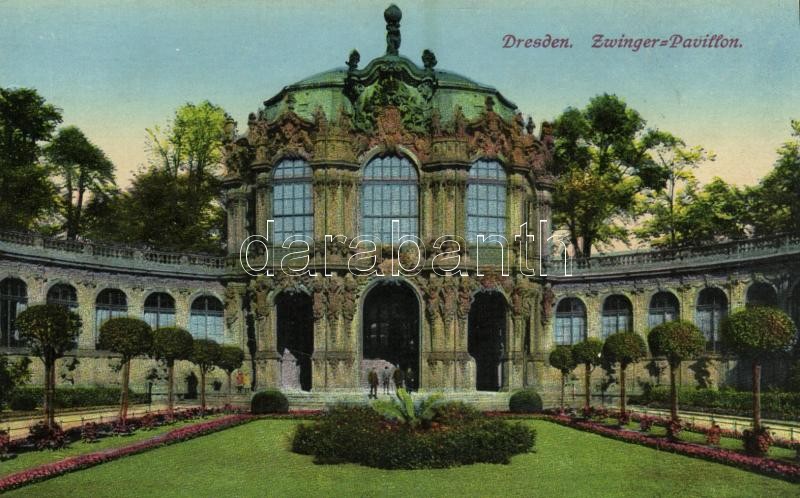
x=767 y=466
x=50 y=470
x=453 y=435
x=93 y=431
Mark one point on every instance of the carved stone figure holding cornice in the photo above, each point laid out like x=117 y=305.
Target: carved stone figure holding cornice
x=259 y=290
x=232 y=305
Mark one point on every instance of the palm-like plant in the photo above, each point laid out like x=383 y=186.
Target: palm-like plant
x=404 y=411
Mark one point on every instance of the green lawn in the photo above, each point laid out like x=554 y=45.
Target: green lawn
x=253 y=460
x=34 y=458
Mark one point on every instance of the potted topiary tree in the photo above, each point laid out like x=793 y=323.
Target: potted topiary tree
x=624 y=348
x=205 y=354
x=562 y=359
x=756 y=333
x=171 y=344
x=677 y=341
x=230 y=358
x=50 y=330
x=128 y=337
x=587 y=353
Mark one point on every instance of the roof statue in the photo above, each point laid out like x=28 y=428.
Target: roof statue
x=392 y=14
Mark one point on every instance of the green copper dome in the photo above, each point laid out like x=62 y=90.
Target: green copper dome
x=388 y=80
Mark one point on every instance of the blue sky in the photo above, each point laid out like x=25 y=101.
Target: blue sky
x=116 y=68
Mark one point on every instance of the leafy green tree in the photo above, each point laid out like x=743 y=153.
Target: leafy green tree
x=774 y=204
x=604 y=157
x=171 y=344
x=26 y=192
x=757 y=333
x=677 y=341
x=230 y=358
x=205 y=354
x=84 y=169
x=50 y=330
x=12 y=374
x=191 y=143
x=128 y=337
x=588 y=353
x=624 y=348
x=665 y=203
x=561 y=358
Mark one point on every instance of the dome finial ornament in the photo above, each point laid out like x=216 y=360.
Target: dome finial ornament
x=392 y=14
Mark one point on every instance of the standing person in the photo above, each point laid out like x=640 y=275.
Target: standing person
x=373 y=383
x=386 y=378
x=239 y=381
x=397 y=376
x=246 y=383
x=409 y=379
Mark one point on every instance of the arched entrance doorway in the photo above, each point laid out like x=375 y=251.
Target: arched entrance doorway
x=295 y=341
x=486 y=339
x=390 y=329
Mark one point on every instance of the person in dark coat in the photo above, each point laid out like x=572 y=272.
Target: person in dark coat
x=373 y=383
x=386 y=379
x=409 y=379
x=397 y=376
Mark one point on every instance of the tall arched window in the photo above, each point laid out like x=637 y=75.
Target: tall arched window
x=664 y=307
x=159 y=310
x=617 y=315
x=205 y=319
x=712 y=306
x=63 y=294
x=761 y=294
x=570 y=321
x=389 y=192
x=13 y=299
x=486 y=200
x=110 y=303
x=292 y=201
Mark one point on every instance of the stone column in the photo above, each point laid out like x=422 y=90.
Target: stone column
x=263 y=203
x=86 y=309
x=236 y=207
x=544 y=186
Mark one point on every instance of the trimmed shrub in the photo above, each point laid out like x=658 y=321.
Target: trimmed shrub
x=525 y=401
x=269 y=401
x=778 y=405
x=757 y=442
x=28 y=398
x=45 y=437
x=25 y=399
x=358 y=434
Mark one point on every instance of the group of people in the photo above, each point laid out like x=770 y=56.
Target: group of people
x=401 y=379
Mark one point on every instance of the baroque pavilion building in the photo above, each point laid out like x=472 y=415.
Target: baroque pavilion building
x=326 y=166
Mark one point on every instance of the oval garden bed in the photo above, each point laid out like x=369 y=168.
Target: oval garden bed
x=405 y=435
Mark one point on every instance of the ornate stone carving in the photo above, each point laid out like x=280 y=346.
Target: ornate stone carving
x=259 y=289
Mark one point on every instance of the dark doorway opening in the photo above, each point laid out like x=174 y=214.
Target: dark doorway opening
x=391 y=328
x=486 y=340
x=296 y=334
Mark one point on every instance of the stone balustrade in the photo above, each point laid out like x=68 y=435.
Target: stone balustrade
x=101 y=254
x=648 y=259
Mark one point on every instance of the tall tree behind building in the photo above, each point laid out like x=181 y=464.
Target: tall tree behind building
x=603 y=152
x=83 y=169
x=26 y=193
x=174 y=204
x=775 y=202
